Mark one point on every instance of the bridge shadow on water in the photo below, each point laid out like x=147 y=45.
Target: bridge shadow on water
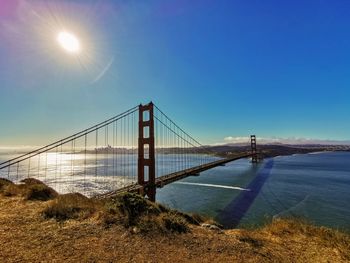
x=233 y=213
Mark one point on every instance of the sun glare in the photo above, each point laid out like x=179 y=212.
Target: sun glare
x=68 y=42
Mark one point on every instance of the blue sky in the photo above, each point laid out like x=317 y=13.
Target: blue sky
x=218 y=68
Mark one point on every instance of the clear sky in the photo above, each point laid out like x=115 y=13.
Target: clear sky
x=220 y=69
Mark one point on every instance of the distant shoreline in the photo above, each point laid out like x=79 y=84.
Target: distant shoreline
x=264 y=150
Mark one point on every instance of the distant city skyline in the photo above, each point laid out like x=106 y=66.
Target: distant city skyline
x=221 y=69
x=227 y=141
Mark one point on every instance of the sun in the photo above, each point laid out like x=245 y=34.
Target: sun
x=69 y=42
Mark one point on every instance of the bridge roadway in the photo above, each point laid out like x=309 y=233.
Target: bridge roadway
x=169 y=178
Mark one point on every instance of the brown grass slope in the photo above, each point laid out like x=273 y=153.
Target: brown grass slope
x=73 y=228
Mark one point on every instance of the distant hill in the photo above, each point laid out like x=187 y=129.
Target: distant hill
x=270 y=150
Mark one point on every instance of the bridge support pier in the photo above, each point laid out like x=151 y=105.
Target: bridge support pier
x=146 y=152
x=253 y=149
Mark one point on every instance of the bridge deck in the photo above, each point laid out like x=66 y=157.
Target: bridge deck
x=169 y=178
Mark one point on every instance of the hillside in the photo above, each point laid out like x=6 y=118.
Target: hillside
x=272 y=150
x=37 y=225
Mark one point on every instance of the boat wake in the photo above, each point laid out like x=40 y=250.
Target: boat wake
x=214 y=185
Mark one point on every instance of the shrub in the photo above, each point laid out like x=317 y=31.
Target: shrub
x=70 y=206
x=32 y=189
x=133 y=206
x=175 y=223
x=144 y=216
x=163 y=208
x=31 y=181
x=39 y=192
x=4 y=183
x=149 y=224
x=12 y=190
x=189 y=218
x=109 y=219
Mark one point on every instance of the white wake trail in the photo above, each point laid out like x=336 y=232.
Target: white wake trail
x=215 y=185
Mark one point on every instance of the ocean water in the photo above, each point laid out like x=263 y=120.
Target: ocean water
x=315 y=187
x=92 y=174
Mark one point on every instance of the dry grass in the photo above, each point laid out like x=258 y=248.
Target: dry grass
x=321 y=240
x=72 y=228
x=71 y=206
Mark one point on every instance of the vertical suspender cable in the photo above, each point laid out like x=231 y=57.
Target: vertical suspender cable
x=28 y=175
x=85 y=164
x=96 y=146
x=17 y=170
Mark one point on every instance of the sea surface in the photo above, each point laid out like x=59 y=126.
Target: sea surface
x=315 y=187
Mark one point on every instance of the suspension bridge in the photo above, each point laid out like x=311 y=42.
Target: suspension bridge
x=138 y=150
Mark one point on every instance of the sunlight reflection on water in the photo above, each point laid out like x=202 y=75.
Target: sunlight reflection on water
x=90 y=174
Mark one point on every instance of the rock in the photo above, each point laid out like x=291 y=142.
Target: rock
x=211 y=227
x=135 y=230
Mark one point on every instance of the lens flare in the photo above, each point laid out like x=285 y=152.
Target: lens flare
x=68 y=42
x=66 y=39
